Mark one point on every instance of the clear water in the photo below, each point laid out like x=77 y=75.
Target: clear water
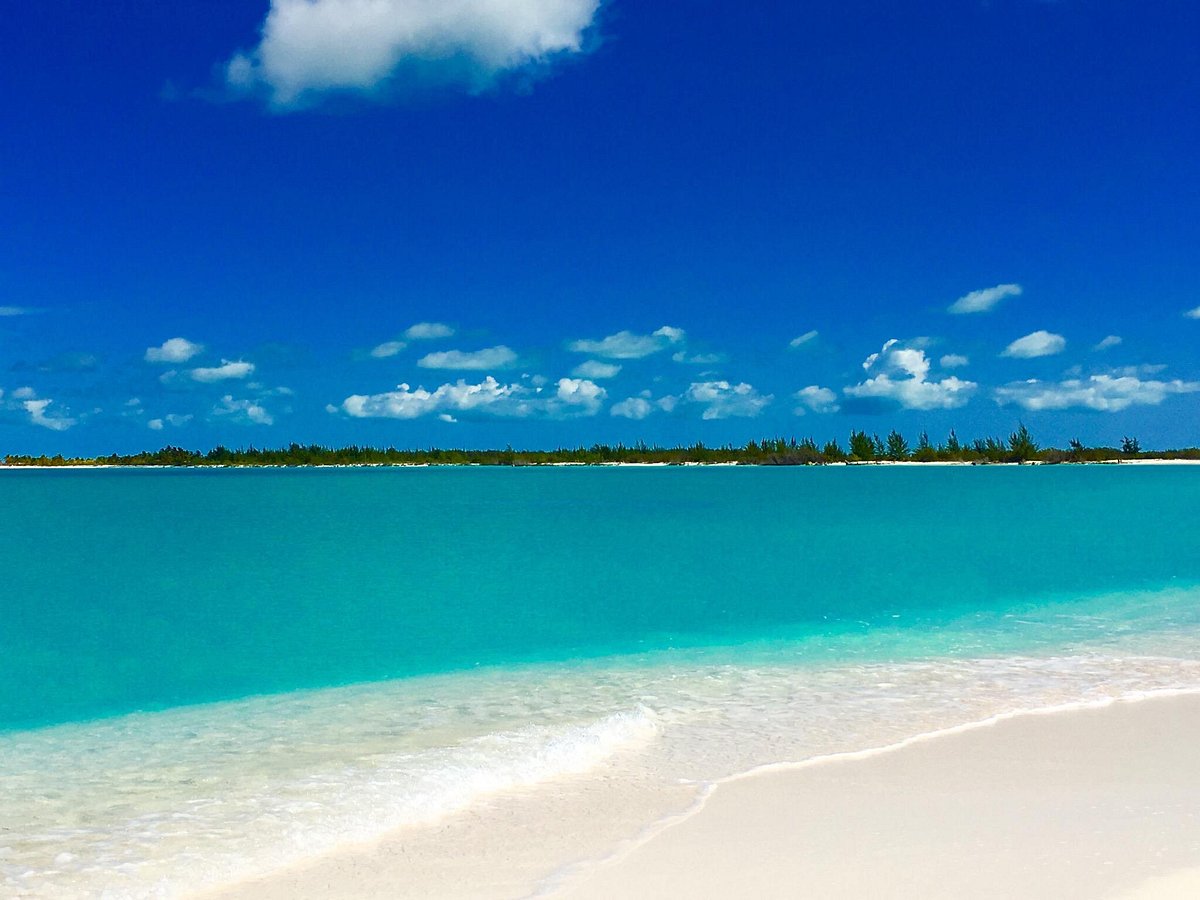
x=206 y=674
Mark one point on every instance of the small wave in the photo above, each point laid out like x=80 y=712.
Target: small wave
x=201 y=822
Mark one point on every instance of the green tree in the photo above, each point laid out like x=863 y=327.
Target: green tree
x=1020 y=442
x=897 y=447
x=924 y=451
x=861 y=446
x=833 y=452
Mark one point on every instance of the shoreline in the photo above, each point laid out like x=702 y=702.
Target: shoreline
x=908 y=463
x=1050 y=803
x=704 y=844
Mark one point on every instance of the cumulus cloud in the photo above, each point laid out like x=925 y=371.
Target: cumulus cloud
x=580 y=393
x=629 y=345
x=636 y=408
x=175 y=420
x=173 y=350
x=816 y=399
x=387 y=349
x=247 y=411
x=226 y=371
x=593 y=368
x=639 y=407
x=806 y=338
x=1111 y=341
x=39 y=414
x=723 y=400
x=1104 y=393
x=571 y=397
x=983 y=300
x=428 y=331
x=903 y=378
x=953 y=361
x=1193 y=313
x=311 y=47
x=500 y=357
x=1039 y=343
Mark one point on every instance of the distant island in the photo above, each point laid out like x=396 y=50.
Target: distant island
x=861 y=447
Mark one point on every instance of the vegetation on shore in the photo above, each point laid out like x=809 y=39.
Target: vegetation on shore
x=861 y=447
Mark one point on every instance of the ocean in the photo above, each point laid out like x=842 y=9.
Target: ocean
x=208 y=674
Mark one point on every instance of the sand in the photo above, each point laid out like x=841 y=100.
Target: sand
x=1080 y=804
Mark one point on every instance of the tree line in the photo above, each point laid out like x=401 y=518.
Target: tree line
x=861 y=447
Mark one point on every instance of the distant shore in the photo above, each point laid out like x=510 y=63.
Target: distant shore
x=861 y=448
x=598 y=465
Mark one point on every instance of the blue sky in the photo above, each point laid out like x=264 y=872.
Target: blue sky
x=558 y=221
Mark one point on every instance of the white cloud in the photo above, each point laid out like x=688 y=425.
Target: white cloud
x=309 y=47
x=387 y=349
x=912 y=390
x=249 y=411
x=571 y=397
x=428 y=331
x=635 y=408
x=173 y=350
x=983 y=300
x=1039 y=343
x=593 y=368
x=7 y=311
x=224 y=372
x=500 y=357
x=1193 y=313
x=1111 y=341
x=628 y=345
x=175 y=420
x=817 y=399
x=38 y=415
x=803 y=339
x=723 y=400
x=1104 y=393
x=642 y=405
x=407 y=403
x=582 y=393
x=696 y=359
x=24 y=393
x=915 y=393
x=953 y=361
x=1139 y=370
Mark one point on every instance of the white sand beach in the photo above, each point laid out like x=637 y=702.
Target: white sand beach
x=1101 y=802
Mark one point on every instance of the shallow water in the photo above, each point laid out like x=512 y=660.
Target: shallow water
x=652 y=625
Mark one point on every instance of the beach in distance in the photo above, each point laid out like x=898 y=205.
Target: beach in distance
x=601 y=681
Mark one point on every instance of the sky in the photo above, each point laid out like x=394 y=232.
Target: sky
x=558 y=222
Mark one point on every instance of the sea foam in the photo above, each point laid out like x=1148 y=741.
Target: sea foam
x=162 y=804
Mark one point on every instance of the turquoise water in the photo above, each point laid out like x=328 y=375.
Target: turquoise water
x=129 y=590
x=265 y=654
